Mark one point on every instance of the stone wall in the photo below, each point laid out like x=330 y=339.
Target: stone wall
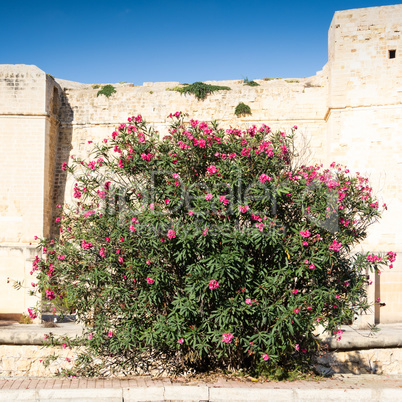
x=364 y=125
x=39 y=361
x=349 y=112
x=27 y=129
x=35 y=361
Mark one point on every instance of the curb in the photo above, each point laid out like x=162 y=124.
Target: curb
x=201 y=393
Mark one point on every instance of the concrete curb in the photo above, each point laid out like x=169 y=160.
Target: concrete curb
x=202 y=393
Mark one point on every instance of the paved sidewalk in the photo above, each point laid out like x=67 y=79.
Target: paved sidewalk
x=368 y=388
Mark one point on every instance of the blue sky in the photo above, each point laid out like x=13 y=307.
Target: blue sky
x=135 y=41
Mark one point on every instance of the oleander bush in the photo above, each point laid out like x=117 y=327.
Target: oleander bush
x=207 y=249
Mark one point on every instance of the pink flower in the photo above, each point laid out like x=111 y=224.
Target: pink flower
x=171 y=234
x=213 y=284
x=102 y=252
x=335 y=246
x=311 y=266
x=110 y=334
x=305 y=233
x=296 y=310
x=249 y=301
x=204 y=232
x=167 y=201
x=295 y=291
x=86 y=246
x=263 y=178
x=297 y=347
x=265 y=357
x=61 y=257
x=64 y=345
x=208 y=197
x=309 y=308
x=150 y=280
x=227 y=338
x=121 y=260
x=305 y=243
x=31 y=313
x=175 y=175
x=191 y=212
x=151 y=207
x=244 y=209
x=90 y=336
x=212 y=169
x=64 y=166
x=148 y=262
x=306 y=261
x=391 y=256
x=108 y=239
x=181 y=340
x=223 y=200
x=50 y=294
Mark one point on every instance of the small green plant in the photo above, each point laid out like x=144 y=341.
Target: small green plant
x=251 y=83
x=310 y=85
x=96 y=86
x=199 y=89
x=292 y=81
x=151 y=92
x=271 y=79
x=122 y=82
x=242 y=110
x=25 y=319
x=106 y=90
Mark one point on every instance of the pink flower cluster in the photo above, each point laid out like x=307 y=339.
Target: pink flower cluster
x=244 y=209
x=50 y=294
x=335 y=246
x=263 y=178
x=86 y=246
x=213 y=284
x=223 y=200
x=171 y=234
x=146 y=157
x=212 y=169
x=391 y=256
x=227 y=338
x=373 y=258
x=305 y=233
x=177 y=114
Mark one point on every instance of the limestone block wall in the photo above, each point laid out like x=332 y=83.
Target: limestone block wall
x=28 y=127
x=364 y=128
x=361 y=70
x=278 y=103
x=35 y=361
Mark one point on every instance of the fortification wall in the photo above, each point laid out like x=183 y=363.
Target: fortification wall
x=364 y=124
x=350 y=112
x=25 y=128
